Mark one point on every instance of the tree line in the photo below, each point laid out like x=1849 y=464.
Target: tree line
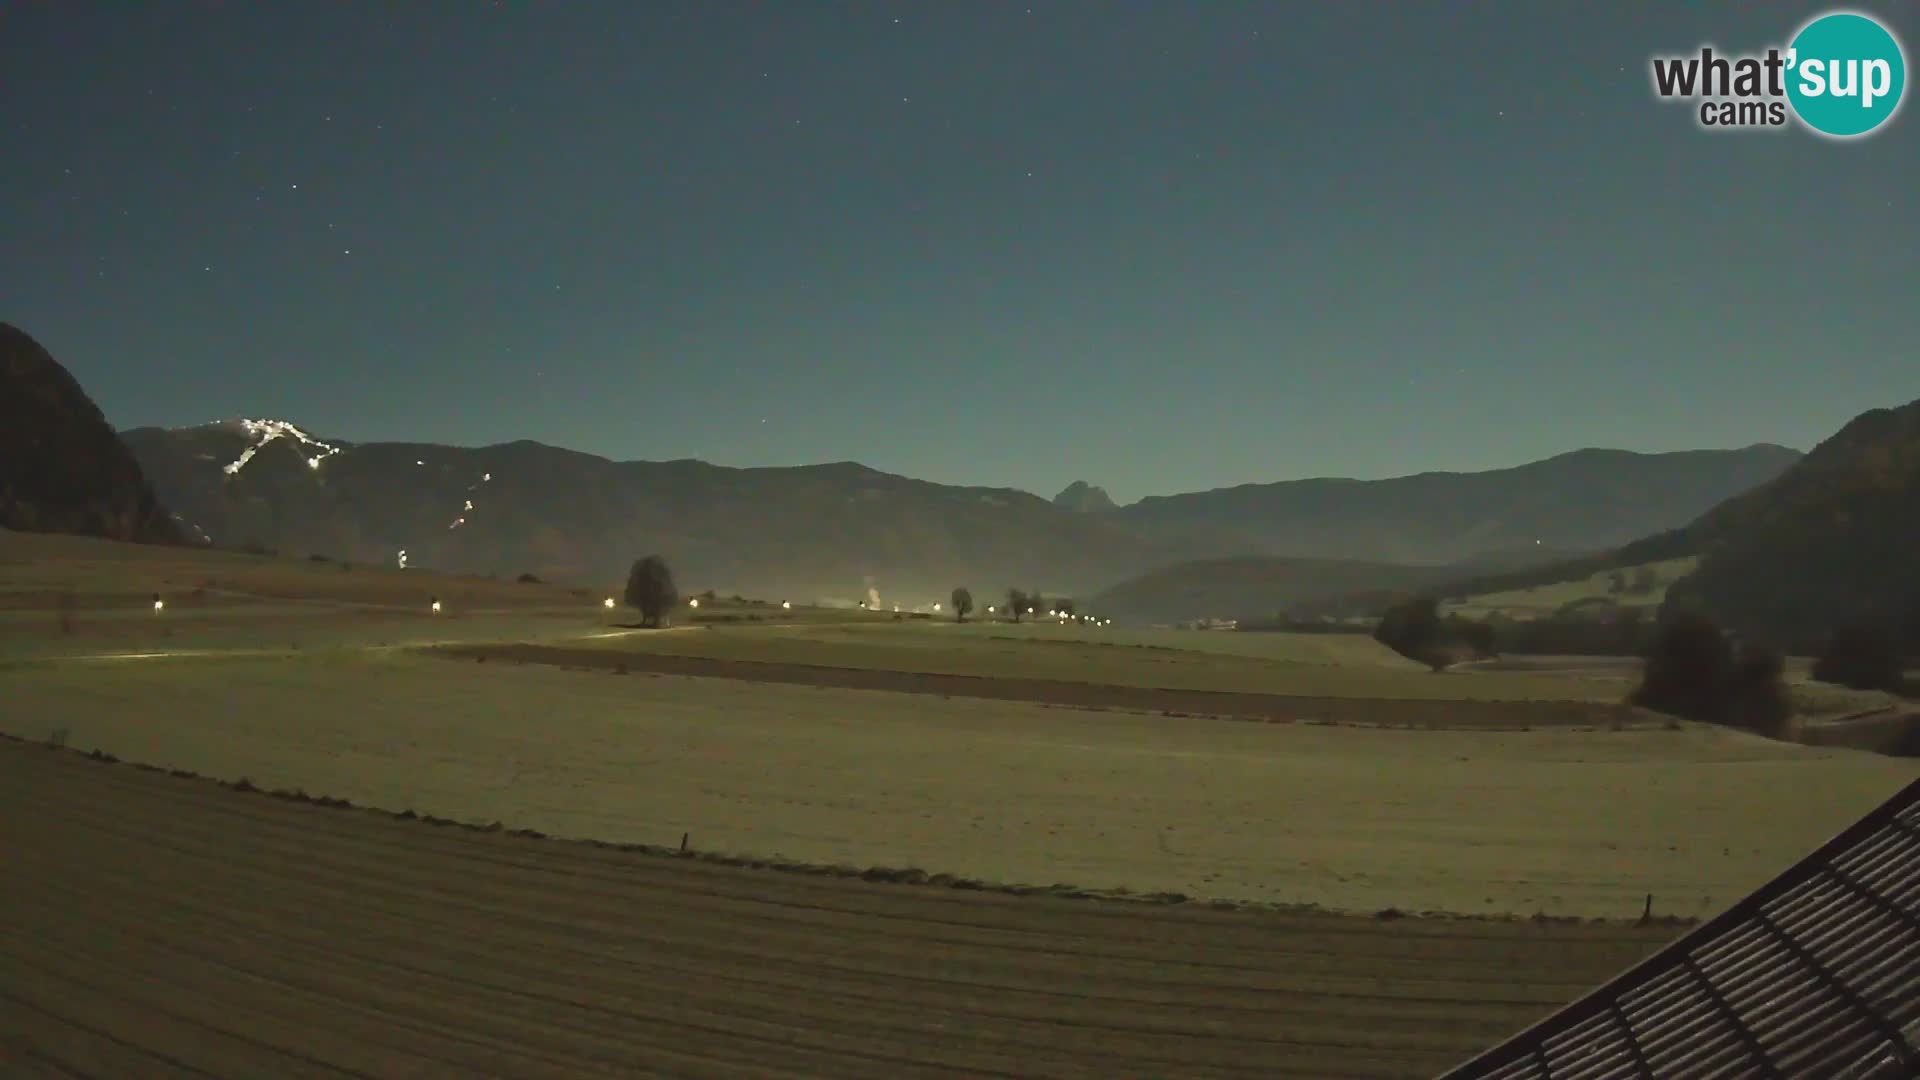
x=651 y=591
x=1693 y=668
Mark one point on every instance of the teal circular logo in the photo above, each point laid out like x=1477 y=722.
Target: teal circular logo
x=1846 y=74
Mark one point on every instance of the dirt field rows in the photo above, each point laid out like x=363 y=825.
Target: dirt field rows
x=159 y=926
x=1390 y=712
x=1312 y=665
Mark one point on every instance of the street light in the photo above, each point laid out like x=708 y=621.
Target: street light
x=435 y=606
x=609 y=603
x=693 y=601
x=157 y=602
x=786 y=605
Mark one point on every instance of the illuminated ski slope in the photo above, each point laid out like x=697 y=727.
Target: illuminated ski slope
x=262 y=432
x=265 y=431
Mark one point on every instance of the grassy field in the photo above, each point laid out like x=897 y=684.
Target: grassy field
x=159 y=925
x=1320 y=665
x=1546 y=599
x=106 y=576
x=1566 y=822
x=172 y=923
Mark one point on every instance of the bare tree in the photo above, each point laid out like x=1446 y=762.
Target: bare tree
x=962 y=604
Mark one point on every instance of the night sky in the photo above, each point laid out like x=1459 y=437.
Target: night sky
x=1158 y=246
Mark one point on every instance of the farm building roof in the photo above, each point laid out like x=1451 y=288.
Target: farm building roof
x=1817 y=973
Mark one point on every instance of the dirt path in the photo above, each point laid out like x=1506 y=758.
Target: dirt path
x=1438 y=714
x=154 y=925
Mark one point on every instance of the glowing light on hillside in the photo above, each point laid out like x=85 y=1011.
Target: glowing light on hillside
x=693 y=601
x=989 y=609
x=419 y=463
x=158 y=604
x=403 y=558
x=265 y=431
x=435 y=607
x=786 y=605
x=936 y=606
x=484 y=477
x=609 y=601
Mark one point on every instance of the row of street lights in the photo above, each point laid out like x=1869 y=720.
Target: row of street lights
x=433 y=606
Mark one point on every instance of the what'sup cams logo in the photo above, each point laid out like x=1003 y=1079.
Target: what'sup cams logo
x=1842 y=76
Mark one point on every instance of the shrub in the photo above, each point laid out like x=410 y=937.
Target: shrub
x=650 y=589
x=1863 y=656
x=1687 y=668
x=1413 y=629
x=1017 y=602
x=1693 y=671
x=528 y=579
x=1478 y=636
x=1755 y=697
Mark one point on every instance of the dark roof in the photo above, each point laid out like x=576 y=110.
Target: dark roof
x=1817 y=973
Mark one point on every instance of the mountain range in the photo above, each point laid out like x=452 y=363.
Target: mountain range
x=830 y=531
x=1832 y=541
x=61 y=468
x=808 y=532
